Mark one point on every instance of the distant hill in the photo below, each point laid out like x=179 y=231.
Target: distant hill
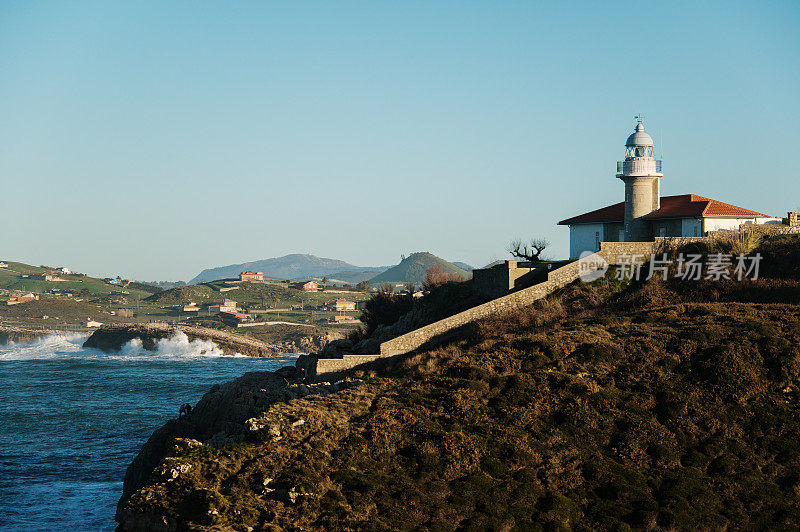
x=494 y=263
x=184 y=294
x=164 y=285
x=413 y=268
x=356 y=276
x=288 y=267
x=463 y=266
x=351 y=277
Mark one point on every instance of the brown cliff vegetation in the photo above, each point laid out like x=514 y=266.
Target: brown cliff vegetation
x=654 y=406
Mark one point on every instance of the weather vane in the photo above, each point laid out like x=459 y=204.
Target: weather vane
x=639 y=118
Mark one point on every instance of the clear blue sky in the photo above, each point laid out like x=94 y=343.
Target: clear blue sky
x=154 y=139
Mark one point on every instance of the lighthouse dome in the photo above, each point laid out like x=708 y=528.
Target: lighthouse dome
x=639 y=137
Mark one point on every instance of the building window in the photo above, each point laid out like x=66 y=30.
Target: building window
x=597 y=240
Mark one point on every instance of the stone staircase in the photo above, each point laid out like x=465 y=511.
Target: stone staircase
x=429 y=335
x=320 y=369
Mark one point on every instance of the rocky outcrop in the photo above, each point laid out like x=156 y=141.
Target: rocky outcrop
x=21 y=334
x=113 y=337
x=311 y=344
x=225 y=415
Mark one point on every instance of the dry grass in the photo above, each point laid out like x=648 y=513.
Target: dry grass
x=740 y=242
x=654 y=406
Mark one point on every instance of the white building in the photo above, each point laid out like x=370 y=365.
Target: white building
x=646 y=214
x=223 y=305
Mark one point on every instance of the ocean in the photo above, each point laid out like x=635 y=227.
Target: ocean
x=72 y=419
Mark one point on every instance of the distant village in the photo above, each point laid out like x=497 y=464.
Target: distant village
x=223 y=310
x=228 y=312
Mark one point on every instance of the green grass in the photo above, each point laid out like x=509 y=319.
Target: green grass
x=11 y=279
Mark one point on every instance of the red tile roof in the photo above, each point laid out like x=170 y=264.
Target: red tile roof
x=612 y=213
x=681 y=206
x=237 y=315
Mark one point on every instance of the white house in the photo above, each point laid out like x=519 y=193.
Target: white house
x=646 y=214
x=223 y=305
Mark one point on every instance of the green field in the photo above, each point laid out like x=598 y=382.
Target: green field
x=11 y=279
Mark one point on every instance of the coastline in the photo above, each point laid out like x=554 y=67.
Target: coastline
x=11 y=333
x=75 y=418
x=113 y=337
x=228 y=413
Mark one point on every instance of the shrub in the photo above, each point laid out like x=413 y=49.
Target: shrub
x=437 y=276
x=744 y=242
x=385 y=308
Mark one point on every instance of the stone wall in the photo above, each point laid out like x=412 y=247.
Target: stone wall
x=763 y=229
x=613 y=252
x=438 y=330
x=560 y=277
x=499 y=280
x=616 y=252
x=610 y=252
x=333 y=369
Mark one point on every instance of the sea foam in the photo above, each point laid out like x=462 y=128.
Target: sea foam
x=51 y=346
x=177 y=346
x=70 y=345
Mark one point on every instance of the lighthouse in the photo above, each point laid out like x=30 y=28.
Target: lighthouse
x=645 y=215
x=641 y=173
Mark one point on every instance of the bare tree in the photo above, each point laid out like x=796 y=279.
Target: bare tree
x=437 y=276
x=530 y=251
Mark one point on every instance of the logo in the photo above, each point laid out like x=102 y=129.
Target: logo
x=591 y=266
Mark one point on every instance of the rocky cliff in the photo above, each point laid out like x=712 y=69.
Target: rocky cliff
x=614 y=405
x=259 y=406
x=21 y=334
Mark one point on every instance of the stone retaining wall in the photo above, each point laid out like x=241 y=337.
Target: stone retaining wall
x=414 y=339
x=499 y=280
x=615 y=252
x=611 y=252
x=333 y=369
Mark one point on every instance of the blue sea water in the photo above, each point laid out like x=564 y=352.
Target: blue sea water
x=72 y=419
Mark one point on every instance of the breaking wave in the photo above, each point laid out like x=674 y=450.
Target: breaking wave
x=178 y=346
x=70 y=345
x=51 y=346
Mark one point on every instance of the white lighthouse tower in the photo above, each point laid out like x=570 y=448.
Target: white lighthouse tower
x=642 y=175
